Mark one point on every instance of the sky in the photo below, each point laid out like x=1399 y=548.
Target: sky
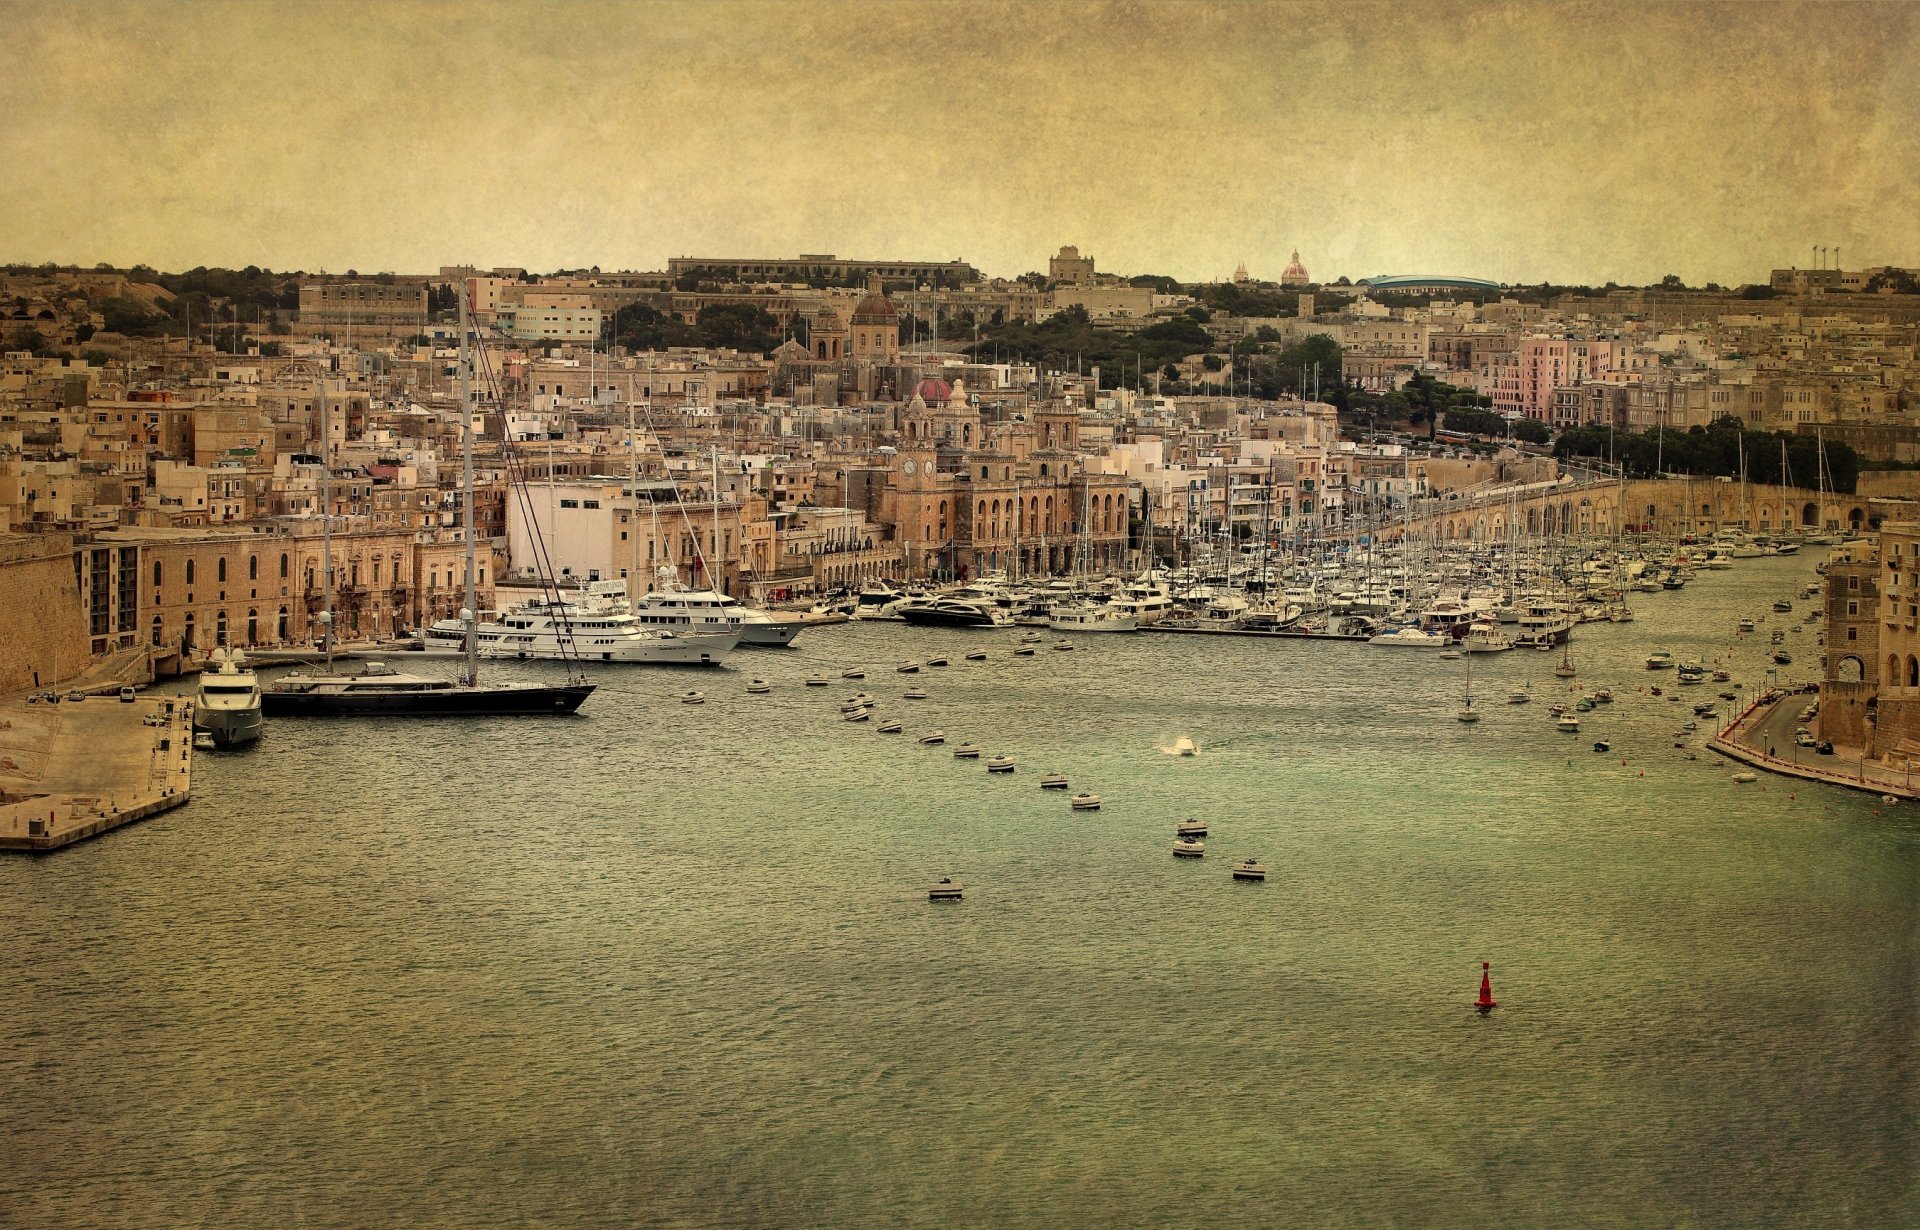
x=1563 y=142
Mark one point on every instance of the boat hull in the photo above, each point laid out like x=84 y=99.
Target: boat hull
x=930 y=617
x=445 y=702
x=230 y=727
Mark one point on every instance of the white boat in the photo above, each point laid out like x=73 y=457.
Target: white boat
x=1411 y=638
x=1250 y=869
x=1190 y=828
x=1183 y=746
x=693 y=698
x=1189 y=847
x=934 y=739
x=889 y=727
x=1054 y=781
x=1660 y=660
x=759 y=687
x=1518 y=698
x=1567 y=723
x=857 y=715
x=228 y=707
x=913 y=694
x=204 y=741
x=966 y=751
x=1092 y=617
x=1543 y=623
x=818 y=681
x=596 y=628
x=1086 y=802
x=1000 y=764
x=945 y=889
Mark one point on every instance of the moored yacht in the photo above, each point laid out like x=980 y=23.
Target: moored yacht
x=228 y=707
x=377 y=690
x=599 y=628
x=1092 y=617
x=955 y=613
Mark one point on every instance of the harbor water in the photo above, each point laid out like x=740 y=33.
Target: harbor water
x=674 y=965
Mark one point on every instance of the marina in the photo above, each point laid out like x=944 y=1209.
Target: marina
x=1391 y=772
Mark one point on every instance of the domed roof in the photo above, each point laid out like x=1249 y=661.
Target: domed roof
x=934 y=391
x=826 y=320
x=1295 y=270
x=876 y=308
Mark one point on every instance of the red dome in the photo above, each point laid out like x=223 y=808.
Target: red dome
x=934 y=391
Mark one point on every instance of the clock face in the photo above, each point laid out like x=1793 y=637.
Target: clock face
x=908 y=469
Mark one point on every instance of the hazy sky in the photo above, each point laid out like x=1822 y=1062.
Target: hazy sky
x=1566 y=142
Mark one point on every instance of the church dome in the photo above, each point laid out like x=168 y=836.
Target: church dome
x=934 y=391
x=826 y=320
x=1296 y=274
x=876 y=308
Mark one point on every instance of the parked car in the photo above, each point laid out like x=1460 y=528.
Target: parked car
x=76 y=694
x=127 y=694
x=1823 y=747
x=1803 y=739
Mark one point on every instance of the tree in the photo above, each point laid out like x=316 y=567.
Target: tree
x=26 y=337
x=738 y=326
x=1533 y=431
x=639 y=327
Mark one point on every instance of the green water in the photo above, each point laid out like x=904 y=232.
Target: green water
x=667 y=965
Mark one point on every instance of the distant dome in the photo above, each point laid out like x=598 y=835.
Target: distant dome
x=876 y=308
x=1296 y=273
x=826 y=320
x=934 y=391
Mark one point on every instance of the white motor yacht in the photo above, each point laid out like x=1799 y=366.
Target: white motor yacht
x=1092 y=617
x=1411 y=638
x=228 y=708
x=598 y=627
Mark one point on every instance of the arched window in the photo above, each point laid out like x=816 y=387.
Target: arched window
x=157 y=574
x=283 y=565
x=220 y=570
x=189 y=572
x=1913 y=671
x=1893 y=670
x=253 y=568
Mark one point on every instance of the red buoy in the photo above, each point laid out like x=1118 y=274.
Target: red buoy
x=1486 y=1003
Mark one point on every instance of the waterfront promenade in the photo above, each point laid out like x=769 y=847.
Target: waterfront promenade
x=1761 y=735
x=80 y=768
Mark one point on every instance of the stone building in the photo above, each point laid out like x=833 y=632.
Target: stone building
x=1852 y=673
x=43 y=636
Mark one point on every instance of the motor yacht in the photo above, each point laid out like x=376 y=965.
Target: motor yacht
x=228 y=707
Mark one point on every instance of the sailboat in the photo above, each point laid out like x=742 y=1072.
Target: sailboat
x=379 y=690
x=1467 y=712
x=1565 y=669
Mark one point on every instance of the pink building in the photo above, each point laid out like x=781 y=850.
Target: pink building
x=1524 y=385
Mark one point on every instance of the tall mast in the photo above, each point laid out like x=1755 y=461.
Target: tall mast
x=326 y=532
x=470 y=616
